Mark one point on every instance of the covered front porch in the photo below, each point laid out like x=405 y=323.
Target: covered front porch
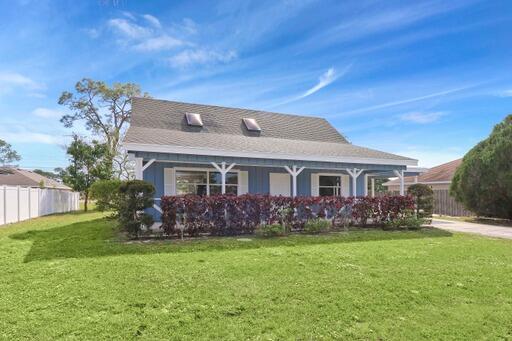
x=179 y=174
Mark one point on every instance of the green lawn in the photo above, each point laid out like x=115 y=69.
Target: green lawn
x=69 y=276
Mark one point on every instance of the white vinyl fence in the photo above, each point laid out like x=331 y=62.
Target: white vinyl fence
x=22 y=203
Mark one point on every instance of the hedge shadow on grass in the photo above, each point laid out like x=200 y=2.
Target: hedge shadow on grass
x=100 y=238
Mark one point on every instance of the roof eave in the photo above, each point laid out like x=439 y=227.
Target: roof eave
x=140 y=147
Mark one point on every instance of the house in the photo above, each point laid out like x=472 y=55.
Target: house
x=25 y=178
x=439 y=179
x=186 y=148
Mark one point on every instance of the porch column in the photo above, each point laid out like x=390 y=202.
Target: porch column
x=400 y=175
x=223 y=170
x=138 y=168
x=373 y=187
x=354 y=173
x=294 y=172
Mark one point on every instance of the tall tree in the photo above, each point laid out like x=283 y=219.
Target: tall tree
x=88 y=163
x=483 y=182
x=105 y=110
x=7 y=153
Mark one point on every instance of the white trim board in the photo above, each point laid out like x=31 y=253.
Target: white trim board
x=260 y=155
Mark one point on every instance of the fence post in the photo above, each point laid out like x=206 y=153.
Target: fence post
x=18 y=200
x=29 y=203
x=5 y=204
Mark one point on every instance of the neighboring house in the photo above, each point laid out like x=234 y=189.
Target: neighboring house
x=186 y=148
x=20 y=177
x=25 y=195
x=439 y=179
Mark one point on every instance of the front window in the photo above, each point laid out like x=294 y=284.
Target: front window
x=329 y=185
x=205 y=182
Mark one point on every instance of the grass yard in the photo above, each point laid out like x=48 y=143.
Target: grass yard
x=69 y=276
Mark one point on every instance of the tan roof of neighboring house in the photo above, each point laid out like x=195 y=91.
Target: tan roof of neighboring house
x=21 y=177
x=441 y=173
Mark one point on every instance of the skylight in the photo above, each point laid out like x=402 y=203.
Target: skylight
x=194 y=119
x=251 y=124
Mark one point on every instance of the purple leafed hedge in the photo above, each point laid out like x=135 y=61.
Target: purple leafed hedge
x=225 y=215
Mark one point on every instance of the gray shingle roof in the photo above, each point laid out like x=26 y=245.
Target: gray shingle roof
x=21 y=177
x=151 y=113
x=158 y=122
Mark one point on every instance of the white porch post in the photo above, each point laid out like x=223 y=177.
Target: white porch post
x=373 y=187
x=354 y=173
x=400 y=175
x=223 y=170
x=138 y=168
x=294 y=172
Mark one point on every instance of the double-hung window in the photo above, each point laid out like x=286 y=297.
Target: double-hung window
x=329 y=185
x=205 y=182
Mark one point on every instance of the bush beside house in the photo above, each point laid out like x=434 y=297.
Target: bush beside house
x=224 y=215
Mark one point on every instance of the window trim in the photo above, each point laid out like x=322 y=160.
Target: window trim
x=207 y=170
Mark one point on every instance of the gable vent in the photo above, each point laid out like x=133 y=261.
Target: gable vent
x=194 y=119
x=251 y=124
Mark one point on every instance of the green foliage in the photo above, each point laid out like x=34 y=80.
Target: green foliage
x=423 y=198
x=134 y=197
x=335 y=286
x=106 y=194
x=272 y=230
x=317 y=225
x=50 y=175
x=409 y=221
x=88 y=163
x=483 y=182
x=105 y=110
x=7 y=154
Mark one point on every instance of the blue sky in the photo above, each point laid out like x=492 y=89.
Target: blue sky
x=426 y=79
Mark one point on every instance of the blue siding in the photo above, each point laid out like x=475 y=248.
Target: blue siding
x=258 y=178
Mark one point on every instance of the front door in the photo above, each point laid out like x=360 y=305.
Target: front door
x=280 y=184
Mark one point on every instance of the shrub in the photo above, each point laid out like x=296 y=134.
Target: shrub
x=424 y=199
x=272 y=230
x=483 y=182
x=134 y=197
x=317 y=226
x=234 y=215
x=408 y=220
x=106 y=194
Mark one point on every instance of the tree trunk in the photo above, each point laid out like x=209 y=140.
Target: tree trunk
x=86 y=200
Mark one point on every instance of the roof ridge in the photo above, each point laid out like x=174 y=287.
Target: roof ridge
x=235 y=108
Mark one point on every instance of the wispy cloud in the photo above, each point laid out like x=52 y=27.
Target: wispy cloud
x=406 y=101
x=11 y=79
x=129 y=29
x=379 y=19
x=327 y=78
x=189 y=57
x=506 y=93
x=145 y=33
x=47 y=113
x=422 y=117
x=26 y=136
x=324 y=80
x=152 y=20
x=163 y=42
